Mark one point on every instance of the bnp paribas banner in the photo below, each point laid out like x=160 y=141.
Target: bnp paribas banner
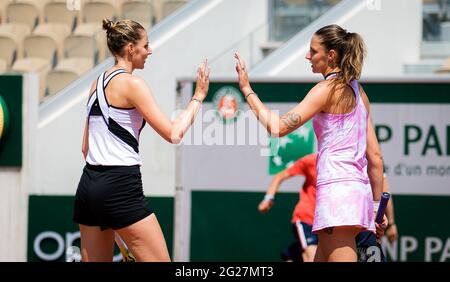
x=415 y=140
x=228 y=162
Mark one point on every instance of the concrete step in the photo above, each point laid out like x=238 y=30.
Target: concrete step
x=435 y=49
x=424 y=66
x=270 y=46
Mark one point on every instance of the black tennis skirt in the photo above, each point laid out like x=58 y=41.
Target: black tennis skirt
x=110 y=197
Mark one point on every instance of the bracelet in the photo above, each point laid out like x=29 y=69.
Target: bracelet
x=246 y=96
x=269 y=197
x=195 y=99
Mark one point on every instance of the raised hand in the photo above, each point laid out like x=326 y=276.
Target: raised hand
x=244 y=83
x=202 y=85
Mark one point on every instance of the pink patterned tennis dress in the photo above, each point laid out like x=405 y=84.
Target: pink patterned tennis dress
x=343 y=195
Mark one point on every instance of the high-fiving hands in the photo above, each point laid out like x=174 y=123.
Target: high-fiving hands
x=241 y=70
x=202 y=85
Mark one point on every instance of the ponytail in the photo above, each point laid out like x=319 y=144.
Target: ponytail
x=352 y=59
x=350 y=50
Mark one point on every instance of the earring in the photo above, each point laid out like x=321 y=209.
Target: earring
x=333 y=64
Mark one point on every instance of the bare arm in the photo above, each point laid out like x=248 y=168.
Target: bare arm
x=374 y=157
x=375 y=166
x=314 y=102
x=85 y=144
x=276 y=182
x=390 y=205
x=265 y=204
x=391 y=230
x=172 y=131
x=293 y=119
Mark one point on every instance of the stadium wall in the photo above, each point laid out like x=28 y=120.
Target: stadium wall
x=392 y=31
x=17 y=160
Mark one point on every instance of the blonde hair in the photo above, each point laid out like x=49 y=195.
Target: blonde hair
x=120 y=33
x=350 y=50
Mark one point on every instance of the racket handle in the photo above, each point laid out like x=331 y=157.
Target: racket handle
x=382 y=208
x=127 y=256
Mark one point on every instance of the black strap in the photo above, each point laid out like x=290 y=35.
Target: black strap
x=95 y=109
x=331 y=73
x=112 y=125
x=123 y=134
x=142 y=126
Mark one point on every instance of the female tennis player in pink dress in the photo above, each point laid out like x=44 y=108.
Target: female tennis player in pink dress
x=349 y=163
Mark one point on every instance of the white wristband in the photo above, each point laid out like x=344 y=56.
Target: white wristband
x=197 y=100
x=376 y=205
x=268 y=197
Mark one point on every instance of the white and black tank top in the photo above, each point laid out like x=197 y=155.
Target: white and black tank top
x=113 y=132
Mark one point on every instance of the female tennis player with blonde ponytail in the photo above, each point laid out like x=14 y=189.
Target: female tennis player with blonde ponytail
x=349 y=162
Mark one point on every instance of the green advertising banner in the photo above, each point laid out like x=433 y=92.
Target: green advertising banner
x=288 y=149
x=241 y=233
x=11 y=120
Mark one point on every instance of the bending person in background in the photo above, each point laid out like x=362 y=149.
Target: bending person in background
x=391 y=230
x=305 y=245
x=110 y=195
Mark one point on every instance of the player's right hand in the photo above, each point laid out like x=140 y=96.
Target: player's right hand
x=202 y=85
x=244 y=83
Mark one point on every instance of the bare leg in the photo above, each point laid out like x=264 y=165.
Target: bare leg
x=319 y=254
x=96 y=245
x=338 y=244
x=309 y=253
x=145 y=240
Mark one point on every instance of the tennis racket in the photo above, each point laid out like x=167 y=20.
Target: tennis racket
x=385 y=196
x=127 y=256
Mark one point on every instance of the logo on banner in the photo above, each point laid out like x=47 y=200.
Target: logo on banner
x=227 y=102
x=4 y=119
x=286 y=150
